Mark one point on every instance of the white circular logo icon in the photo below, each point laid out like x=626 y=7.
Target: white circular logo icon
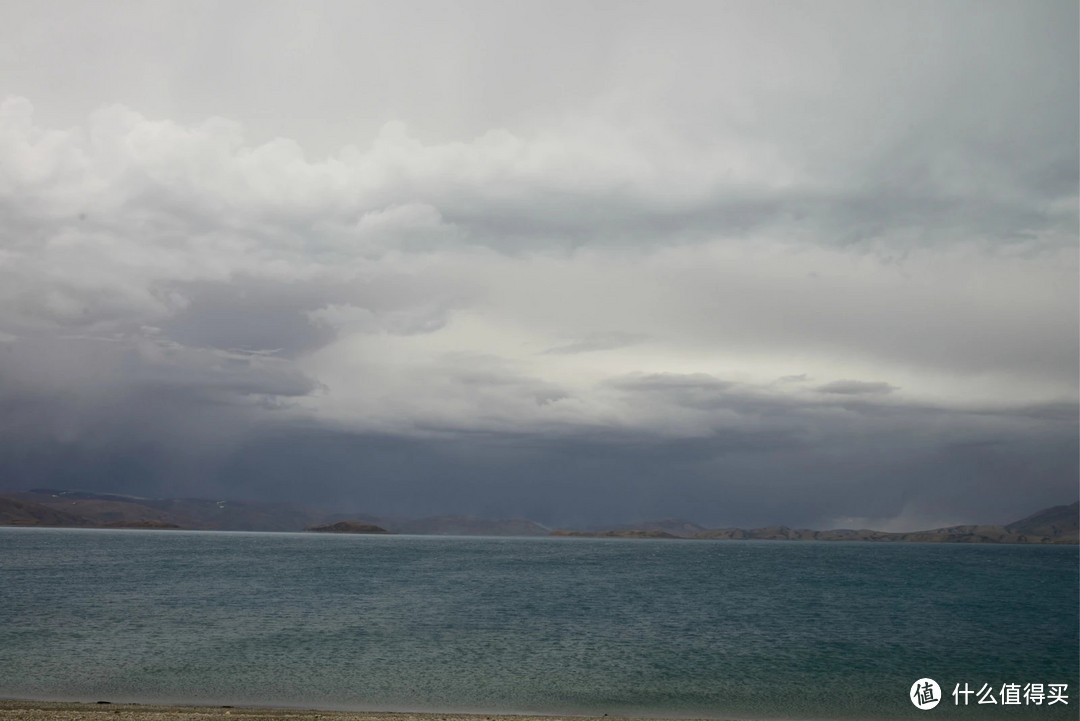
x=925 y=694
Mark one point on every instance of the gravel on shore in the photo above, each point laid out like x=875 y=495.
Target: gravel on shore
x=15 y=710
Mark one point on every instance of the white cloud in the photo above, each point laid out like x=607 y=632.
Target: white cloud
x=130 y=222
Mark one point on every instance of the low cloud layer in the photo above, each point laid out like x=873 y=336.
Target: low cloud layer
x=840 y=293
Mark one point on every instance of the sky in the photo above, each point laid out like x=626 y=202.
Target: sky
x=741 y=262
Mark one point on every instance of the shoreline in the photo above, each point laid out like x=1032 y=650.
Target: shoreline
x=30 y=710
x=568 y=536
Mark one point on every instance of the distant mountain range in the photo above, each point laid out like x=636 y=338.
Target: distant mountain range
x=57 y=507
x=1058 y=524
x=66 y=508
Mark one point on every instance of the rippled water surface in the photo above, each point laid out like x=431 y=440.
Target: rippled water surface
x=740 y=629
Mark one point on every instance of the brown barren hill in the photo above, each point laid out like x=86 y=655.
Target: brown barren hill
x=17 y=512
x=1058 y=522
x=99 y=509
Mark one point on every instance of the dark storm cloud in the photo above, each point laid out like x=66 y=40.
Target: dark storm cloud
x=597 y=477
x=845 y=387
x=251 y=316
x=740 y=262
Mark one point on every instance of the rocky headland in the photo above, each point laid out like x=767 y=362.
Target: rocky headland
x=347 y=527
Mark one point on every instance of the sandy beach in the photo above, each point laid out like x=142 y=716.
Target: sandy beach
x=15 y=710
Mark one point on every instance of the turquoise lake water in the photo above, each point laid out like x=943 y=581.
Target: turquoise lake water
x=735 y=629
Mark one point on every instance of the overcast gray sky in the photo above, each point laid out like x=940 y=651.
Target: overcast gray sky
x=811 y=263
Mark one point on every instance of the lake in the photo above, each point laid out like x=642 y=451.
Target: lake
x=735 y=629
